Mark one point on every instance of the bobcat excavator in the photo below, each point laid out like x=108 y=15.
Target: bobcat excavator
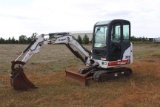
x=111 y=51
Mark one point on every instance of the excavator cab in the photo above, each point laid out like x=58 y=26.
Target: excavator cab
x=111 y=39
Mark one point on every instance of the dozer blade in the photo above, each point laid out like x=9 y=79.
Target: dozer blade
x=77 y=77
x=19 y=81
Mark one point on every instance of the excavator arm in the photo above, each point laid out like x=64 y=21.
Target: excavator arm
x=18 y=79
x=59 y=38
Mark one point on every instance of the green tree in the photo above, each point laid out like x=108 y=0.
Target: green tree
x=2 y=41
x=79 y=39
x=13 y=41
x=29 y=40
x=133 y=38
x=33 y=36
x=22 y=39
x=9 y=41
x=85 y=39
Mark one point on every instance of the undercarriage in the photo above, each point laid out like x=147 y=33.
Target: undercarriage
x=98 y=74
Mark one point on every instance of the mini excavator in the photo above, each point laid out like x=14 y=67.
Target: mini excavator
x=111 y=51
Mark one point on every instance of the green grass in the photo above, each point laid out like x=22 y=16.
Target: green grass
x=46 y=70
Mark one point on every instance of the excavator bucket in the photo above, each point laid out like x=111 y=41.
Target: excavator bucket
x=19 y=81
x=77 y=77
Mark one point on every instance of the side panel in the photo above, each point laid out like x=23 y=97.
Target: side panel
x=128 y=54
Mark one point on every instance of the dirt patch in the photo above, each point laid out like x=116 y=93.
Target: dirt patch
x=156 y=56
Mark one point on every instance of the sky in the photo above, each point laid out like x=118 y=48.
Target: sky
x=24 y=17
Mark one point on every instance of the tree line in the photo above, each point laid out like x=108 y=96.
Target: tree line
x=85 y=40
x=26 y=40
x=23 y=39
x=133 y=38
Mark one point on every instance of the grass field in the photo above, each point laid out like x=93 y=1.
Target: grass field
x=46 y=70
